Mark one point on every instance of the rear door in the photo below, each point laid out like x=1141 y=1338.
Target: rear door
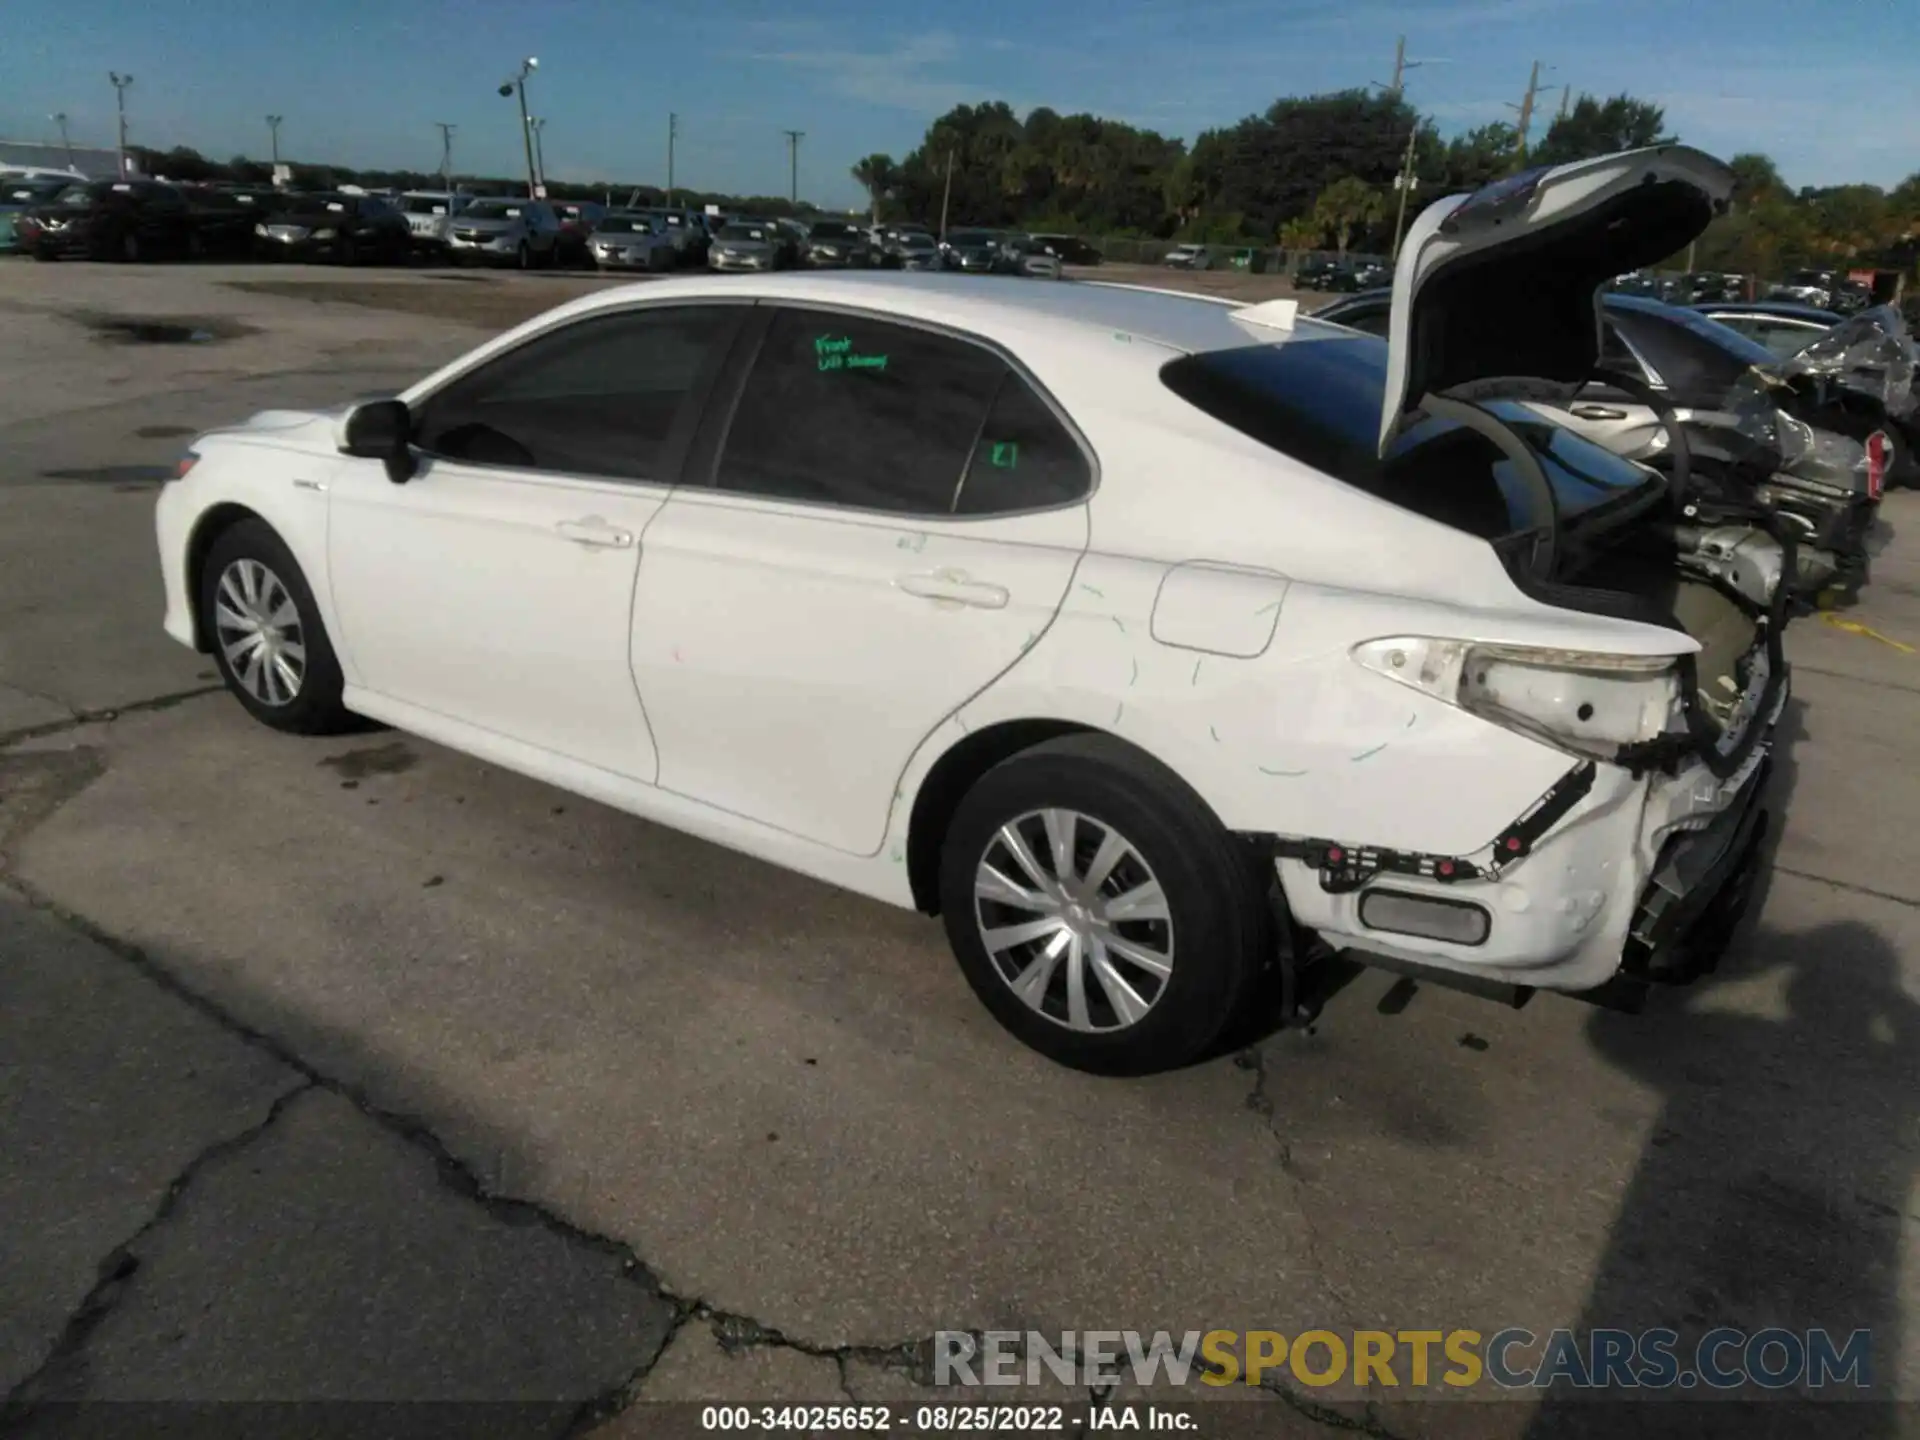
x=879 y=522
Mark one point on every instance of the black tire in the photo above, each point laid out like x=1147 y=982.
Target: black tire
x=1215 y=888
x=343 y=251
x=525 y=256
x=130 y=247
x=315 y=708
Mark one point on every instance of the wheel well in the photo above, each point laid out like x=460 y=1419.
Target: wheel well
x=953 y=774
x=212 y=525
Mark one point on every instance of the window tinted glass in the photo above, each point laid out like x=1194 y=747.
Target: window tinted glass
x=841 y=410
x=1319 y=401
x=598 y=397
x=1025 y=459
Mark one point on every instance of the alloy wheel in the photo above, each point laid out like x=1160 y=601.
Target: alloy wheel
x=257 y=626
x=1074 y=920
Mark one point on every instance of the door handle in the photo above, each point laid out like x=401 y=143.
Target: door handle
x=595 y=531
x=955 y=586
x=1599 y=412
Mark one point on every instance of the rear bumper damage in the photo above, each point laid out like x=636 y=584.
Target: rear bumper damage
x=1610 y=878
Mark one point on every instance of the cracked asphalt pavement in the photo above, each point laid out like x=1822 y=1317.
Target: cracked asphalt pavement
x=352 y=1069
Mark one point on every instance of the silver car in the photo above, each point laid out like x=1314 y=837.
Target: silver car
x=632 y=240
x=505 y=232
x=430 y=215
x=745 y=246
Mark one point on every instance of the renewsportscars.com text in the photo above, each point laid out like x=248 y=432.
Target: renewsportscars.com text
x=1513 y=1358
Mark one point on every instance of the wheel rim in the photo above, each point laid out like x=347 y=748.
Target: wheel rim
x=1073 y=920
x=258 y=628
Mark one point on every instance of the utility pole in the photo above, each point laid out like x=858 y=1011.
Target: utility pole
x=793 y=162
x=1405 y=185
x=945 y=195
x=65 y=143
x=446 y=155
x=1566 y=100
x=1400 y=67
x=673 y=133
x=1525 y=107
x=518 y=85
x=273 y=129
x=539 y=150
x=120 y=84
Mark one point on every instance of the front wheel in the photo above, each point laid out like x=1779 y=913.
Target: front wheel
x=524 y=256
x=267 y=637
x=1099 y=909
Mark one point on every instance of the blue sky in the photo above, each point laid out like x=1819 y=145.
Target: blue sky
x=1828 y=90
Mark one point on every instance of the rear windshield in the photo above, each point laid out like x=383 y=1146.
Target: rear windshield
x=1319 y=401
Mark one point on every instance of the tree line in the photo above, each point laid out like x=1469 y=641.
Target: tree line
x=1320 y=172
x=1313 y=172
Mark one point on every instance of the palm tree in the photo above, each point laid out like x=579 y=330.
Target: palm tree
x=1346 y=206
x=1299 y=236
x=877 y=174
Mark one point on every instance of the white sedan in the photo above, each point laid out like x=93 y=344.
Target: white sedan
x=1152 y=641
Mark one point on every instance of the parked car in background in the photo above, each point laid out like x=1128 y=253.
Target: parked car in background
x=335 y=226
x=1035 y=262
x=747 y=245
x=223 y=222
x=975 y=252
x=1850 y=297
x=578 y=219
x=20 y=195
x=1069 y=249
x=498 y=231
x=430 y=216
x=916 y=250
x=1186 y=257
x=1387 y=675
x=1714 y=285
x=1783 y=327
x=109 y=220
x=836 y=245
x=1785 y=442
x=632 y=240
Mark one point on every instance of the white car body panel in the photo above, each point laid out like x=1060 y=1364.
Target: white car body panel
x=799 y=695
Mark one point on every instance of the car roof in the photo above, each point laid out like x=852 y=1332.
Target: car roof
x=1177 y=320
x=1783 y=308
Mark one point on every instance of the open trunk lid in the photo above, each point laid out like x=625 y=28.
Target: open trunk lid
x=1505 y=283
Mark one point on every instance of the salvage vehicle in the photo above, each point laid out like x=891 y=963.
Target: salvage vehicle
x=1784 y=327
x=633 y=240
x=19 y=196
x=834 y=244
x=495 y=231
x=1394 y=673
x=336 y=226
x=128 y=220
x=1788 y=441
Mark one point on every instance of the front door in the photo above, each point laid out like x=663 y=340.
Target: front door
x=892 y=517
x=496 y=586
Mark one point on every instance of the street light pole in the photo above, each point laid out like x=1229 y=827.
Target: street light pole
x=120 y=84
x=65 y=143
x=518 y=85
x=793 y=162
x=273 y=128
x=539 y=150
x=446 y=155
x=673 y=133
x=946 y=194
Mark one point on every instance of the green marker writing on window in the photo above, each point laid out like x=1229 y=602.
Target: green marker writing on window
x=1005 y=455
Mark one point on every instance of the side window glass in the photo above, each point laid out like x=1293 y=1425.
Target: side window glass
x=605 y=397
x=1025 y=459
x=842 y=410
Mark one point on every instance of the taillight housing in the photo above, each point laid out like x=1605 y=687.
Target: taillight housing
x=185 y=463
x=1587 y=704
x=1878 y=448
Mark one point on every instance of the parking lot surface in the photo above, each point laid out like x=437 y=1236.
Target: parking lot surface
x=351 y=1067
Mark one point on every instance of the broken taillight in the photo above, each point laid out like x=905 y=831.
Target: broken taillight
x=1877 y=447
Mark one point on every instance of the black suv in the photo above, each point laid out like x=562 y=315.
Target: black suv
x=111 y=220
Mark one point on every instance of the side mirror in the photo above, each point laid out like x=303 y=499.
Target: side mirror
x=382 y=430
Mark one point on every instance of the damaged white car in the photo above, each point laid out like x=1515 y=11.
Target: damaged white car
x=1151 y=641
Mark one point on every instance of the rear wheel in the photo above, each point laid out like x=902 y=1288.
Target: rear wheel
x=1099 y=909
x=524 y=256
x=130 y=248
x=268 y=640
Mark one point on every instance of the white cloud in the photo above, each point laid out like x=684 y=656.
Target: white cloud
x=904 y=77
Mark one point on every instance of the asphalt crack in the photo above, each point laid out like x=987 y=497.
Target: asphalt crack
x=121 y=1263
x=76 y=718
